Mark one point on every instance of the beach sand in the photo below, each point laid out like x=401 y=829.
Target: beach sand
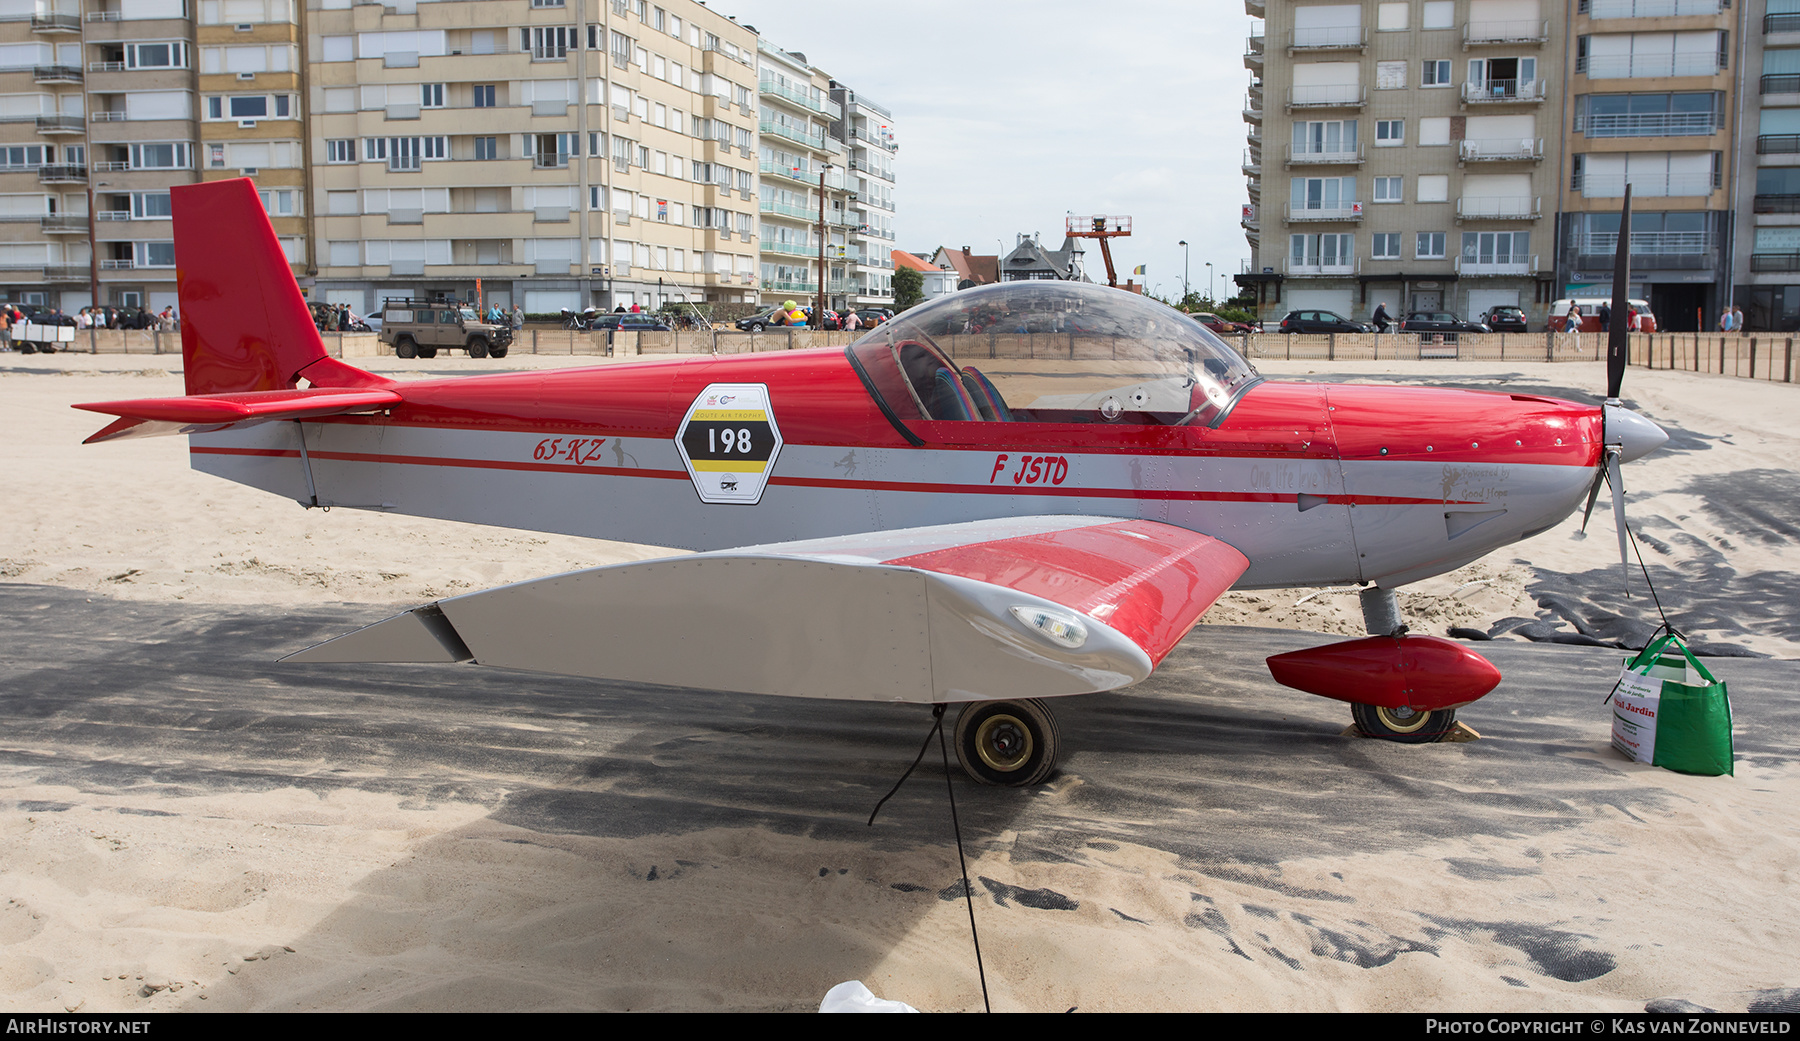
x=184 y=825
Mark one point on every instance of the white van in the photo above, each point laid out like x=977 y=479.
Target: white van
x=1590 y=311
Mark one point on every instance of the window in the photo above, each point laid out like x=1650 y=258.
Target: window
x=404 y=153
x=552 y=151
x=1650 y=115
x=153 y=254
x=1390 y=132
x=1434 y=73
x=487 y=148
x=156 y=56
x=1321 y=251
x=1388 y=189
x=1439 y=14
x=340 y=150
x=1434 y=130
x=621 y=50
x=1332 y=137
x=547 y=42
x=1390 y=17
x=484 y=95
x=1495 y=248
x=431 y=95
x=546 y=3
x=1385 y=246
x=280 y=202
x=171 y=156
x=1323 y=193
x=1434 y=188
x=1390 y=75
x=1429 y=246
x=150 y=205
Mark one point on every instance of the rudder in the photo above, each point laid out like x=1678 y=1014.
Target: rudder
x=244 y=324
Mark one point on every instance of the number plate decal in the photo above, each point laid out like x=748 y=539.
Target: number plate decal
x=728 y=441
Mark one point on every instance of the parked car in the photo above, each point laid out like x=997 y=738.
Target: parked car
x=628 y=322
x=1221 y=325
x=1321 y=322
x=873 y=316
x=1439 y=322
x=771 y=319
x=1505 y=319
x=421 y=328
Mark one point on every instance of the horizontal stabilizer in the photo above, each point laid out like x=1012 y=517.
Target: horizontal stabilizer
x=199 y=413
x=421 y=635
x=1032 y=607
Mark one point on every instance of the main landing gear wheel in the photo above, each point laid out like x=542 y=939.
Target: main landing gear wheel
x=1012 y=744
x=1406 y=725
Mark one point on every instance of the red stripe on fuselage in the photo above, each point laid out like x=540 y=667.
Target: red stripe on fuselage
x=935 y=488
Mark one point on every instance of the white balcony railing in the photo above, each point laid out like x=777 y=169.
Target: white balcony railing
x=1663 y=243
x=1330 y=38
x=1499 y=207
x=1651 y=8
x=1524 y=30
x=1336 y=157
x=1645 y=66
x=1320 y=266
x=1501 y=92
x=1330 y=95
x=1496 y=266
x=1601 y=186
x=1347 y=212
x=1500 y=149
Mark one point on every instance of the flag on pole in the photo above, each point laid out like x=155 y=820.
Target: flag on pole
x=1139 y=269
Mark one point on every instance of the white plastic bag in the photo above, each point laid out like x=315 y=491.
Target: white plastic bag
x=852 y=996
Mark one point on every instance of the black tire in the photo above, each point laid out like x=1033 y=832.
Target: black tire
x=498 y=352
x=1011 y=744
x=404 y=347
x=27 y=348
x=478 y=347
x=428 y=352
x=756 y=327
x=1406 y=726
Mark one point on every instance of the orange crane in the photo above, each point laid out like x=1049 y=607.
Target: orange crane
x=1101 y=228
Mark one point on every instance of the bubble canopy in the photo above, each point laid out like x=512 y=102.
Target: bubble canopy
x=1051 y=352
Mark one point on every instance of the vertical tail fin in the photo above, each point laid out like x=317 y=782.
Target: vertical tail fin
x=244 y=324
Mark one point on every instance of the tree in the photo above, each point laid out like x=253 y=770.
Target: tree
x=909 y=288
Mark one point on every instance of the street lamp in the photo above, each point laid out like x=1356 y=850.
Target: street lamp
x=1209 y=285
x=819 y=306
x=1184 y=270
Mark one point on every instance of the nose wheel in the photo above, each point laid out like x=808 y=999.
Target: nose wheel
x=1409 y=726
x=1012 y=744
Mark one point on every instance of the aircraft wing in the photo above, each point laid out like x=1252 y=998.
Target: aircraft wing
x=995 y=609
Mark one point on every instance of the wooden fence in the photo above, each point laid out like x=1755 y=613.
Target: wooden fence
x=1764 y=356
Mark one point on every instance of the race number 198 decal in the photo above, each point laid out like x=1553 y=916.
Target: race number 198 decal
x=729 y=441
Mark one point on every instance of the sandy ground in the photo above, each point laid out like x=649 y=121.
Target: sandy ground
x=183 y=825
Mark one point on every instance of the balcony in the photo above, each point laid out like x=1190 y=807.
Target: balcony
x=66 y=273
x=106 y=66
x=1328 y=38
x=1498 y=208
x=113 y=166
x=59 y=125
x=56 y=74
x=1350 y=157
x=55 y=23
x=1252 y=165
x=1778 y=144
x=1668 y=185
x=1468 y=267
x=783 y=209
x=1780 y=83
x=1645 y=66
x=1320 y=267
x=1650 y=250
x=1601 y=9
x=1253 y=53
x=117 y=264
x=1254 y=8
x=1253 y=112
x=1501 y=150
x=1350 y=212
x=1649 y=124
x=115 y=215
x=1503 y=92
x=1781 y=23
x=106 y=116
x=773 y=89
x=793 y=134
x=1776 y=204
x=63 y=224
x=62 y=173
x=1775 y=261
x=1327 y=96
x=1482 y=34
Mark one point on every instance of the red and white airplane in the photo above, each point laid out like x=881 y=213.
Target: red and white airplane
x=910 y=519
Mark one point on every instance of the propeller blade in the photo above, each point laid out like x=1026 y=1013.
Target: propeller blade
x=1616 y=343
x=1593 y=494
x=1614 y=478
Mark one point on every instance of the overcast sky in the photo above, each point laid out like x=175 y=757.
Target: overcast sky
x=1011 y=115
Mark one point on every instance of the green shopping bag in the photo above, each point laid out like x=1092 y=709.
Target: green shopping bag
x=1670 y=712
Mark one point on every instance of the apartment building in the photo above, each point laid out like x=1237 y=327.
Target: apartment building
x=1397 y=154
x=804 y=176
x=1766 y=200
x=1652 y=92
x=867 y=133
x=560 y=153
